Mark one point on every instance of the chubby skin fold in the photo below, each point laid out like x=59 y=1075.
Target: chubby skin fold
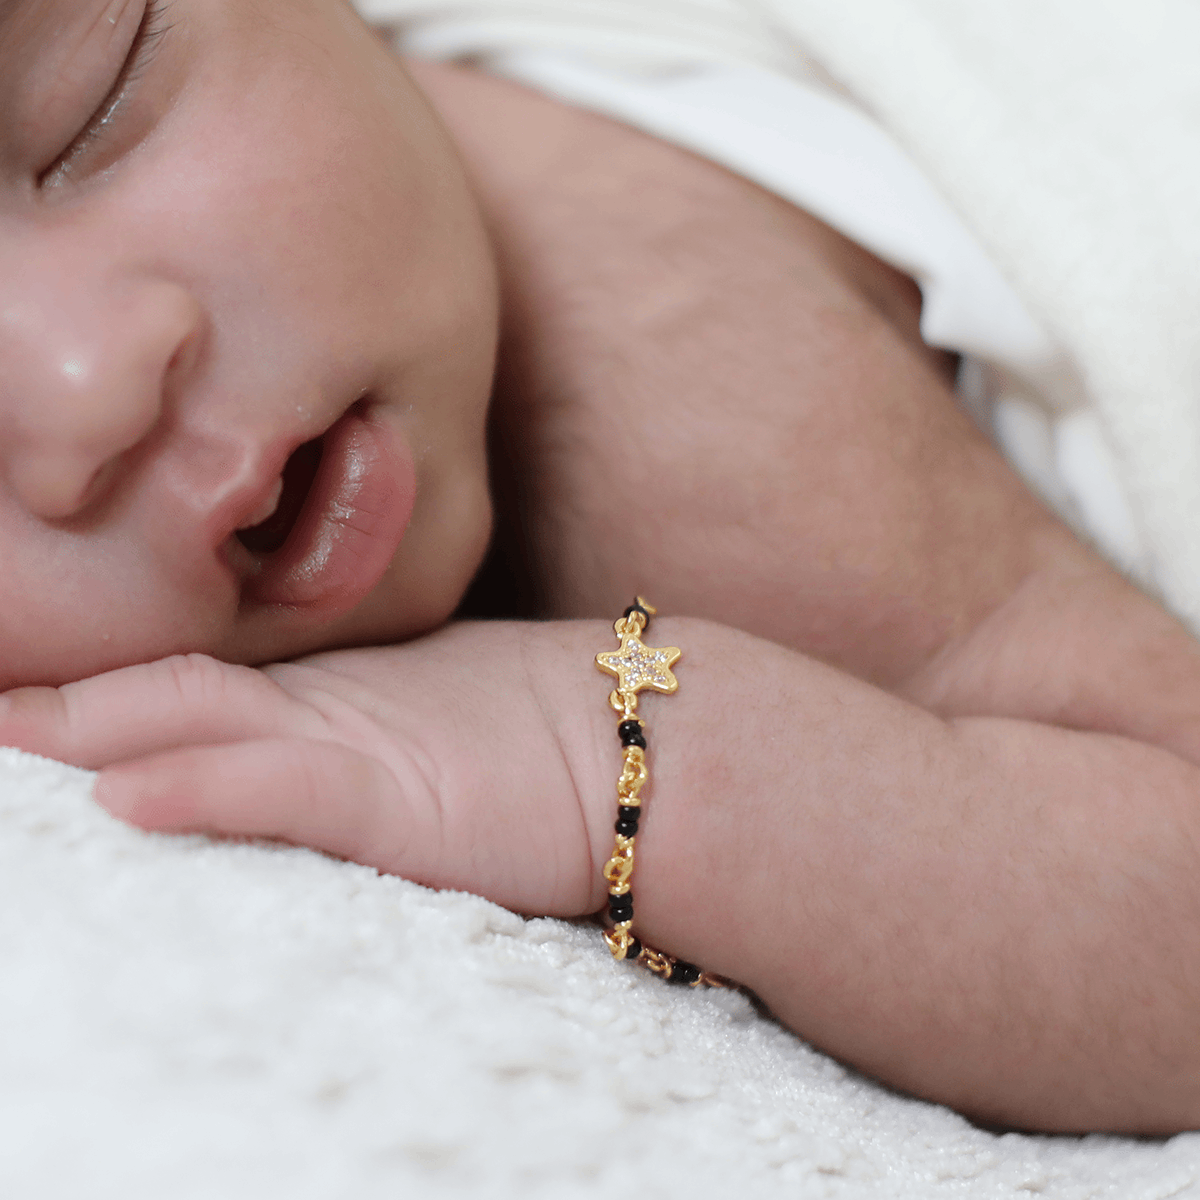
x=929 y=785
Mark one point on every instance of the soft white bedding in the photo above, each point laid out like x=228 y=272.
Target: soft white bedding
x=183 y=1020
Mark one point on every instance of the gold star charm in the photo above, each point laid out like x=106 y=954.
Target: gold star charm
x=639 y=666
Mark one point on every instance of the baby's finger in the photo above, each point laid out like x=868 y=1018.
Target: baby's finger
x=130 y=713
x=312 y=793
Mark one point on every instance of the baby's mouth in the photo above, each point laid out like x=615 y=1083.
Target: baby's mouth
x=283 y=508
x=324 y=536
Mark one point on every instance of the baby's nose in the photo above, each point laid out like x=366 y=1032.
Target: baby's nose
x=83 y=381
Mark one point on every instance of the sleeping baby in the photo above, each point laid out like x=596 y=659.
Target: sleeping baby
x=292 y=331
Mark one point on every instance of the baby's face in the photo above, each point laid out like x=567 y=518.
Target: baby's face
x=229 y=229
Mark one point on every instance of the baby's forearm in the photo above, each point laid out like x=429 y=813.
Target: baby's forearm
x=996 y=914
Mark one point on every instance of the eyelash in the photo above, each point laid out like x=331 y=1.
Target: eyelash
x=146 y=43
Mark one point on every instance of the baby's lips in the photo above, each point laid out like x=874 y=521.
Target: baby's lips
x=351 y=525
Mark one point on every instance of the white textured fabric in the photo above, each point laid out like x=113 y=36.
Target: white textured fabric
x=1063 y=132
x=621 y=32
x=184 y=1020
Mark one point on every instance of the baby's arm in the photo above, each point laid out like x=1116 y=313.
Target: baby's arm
x=709 y=396
x=998 y=914
x=995 y=914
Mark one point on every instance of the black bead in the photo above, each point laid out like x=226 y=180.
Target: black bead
x=684 y=972
x=631 y=734
x=629 y=812
x=633 y=949
x=620 y=908
x=626 y=828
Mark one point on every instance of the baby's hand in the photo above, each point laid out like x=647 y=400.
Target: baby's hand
x=466 y=760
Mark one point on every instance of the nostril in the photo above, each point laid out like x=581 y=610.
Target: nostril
x=298 y=474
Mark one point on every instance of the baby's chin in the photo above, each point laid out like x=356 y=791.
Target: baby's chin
x=287 y=634
x=65 y=651
x=421 y=589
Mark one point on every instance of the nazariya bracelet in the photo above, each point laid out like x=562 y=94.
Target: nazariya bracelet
x=637 y=666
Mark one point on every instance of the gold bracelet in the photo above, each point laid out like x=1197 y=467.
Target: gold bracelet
x=636 y=667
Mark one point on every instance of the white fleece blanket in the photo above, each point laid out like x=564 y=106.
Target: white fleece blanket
x=181 y=1020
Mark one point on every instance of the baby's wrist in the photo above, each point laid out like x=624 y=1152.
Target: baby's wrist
x=673 y=728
